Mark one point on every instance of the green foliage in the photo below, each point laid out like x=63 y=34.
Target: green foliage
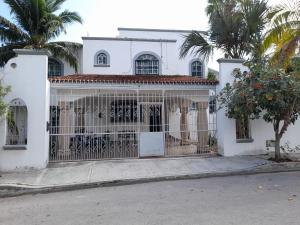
x=3 y=92
x=36 y=24
x=211 y=76
x=235 y=27
x=283 y=37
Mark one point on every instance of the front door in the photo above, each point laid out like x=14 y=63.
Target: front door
x=151 y=133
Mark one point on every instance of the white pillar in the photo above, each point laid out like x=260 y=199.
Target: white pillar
x=27 y=76
x=226 y=127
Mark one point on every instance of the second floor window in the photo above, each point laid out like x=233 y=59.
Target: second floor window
x=147 y=64
x=197 y=69
x=101 y=59
x=54 y=68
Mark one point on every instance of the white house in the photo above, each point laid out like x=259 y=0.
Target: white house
x=132 y=97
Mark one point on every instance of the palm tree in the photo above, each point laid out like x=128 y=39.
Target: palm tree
x=235 y=27
x=35 y=25
x=284 y=35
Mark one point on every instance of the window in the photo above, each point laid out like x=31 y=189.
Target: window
x=197 y=69
x=243 y=129
x=55 y=68
x=212 y=104
x=147 y=64
x=17 y=123
x=123 y=111
x=102 y=58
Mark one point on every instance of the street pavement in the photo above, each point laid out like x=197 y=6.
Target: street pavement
x=263 y=199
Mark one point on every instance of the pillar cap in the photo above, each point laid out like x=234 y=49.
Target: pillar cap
x=224 y=60
x=32 y=52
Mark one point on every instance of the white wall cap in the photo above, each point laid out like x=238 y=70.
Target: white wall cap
x=128 y=39
x=223 y=60
x=158 y=30
x=32 y=52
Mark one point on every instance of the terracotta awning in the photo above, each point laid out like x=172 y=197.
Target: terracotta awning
x=132 y=79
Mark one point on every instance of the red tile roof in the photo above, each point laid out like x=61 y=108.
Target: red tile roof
x=132 y=79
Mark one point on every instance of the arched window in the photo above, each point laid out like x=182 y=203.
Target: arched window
x=102 y=58
x=55 y=68
x=17 y=123
x=147 y=64
x=197 y=69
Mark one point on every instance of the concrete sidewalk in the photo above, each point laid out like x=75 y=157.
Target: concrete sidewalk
x=68 y=176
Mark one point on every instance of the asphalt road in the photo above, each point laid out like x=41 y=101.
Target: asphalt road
x=257 y=199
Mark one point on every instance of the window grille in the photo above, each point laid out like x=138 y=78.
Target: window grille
x=243 y=129
x=123 y=111
x=147 y=65
x=54 y=68
x=197 y=69
x=101 y=59
x=17 y=123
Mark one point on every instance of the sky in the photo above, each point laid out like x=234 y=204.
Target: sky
x=103 y=17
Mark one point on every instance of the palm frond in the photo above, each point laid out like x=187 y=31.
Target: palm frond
x=9 y=32
x=54 y=5
x=196 y=44
x=66 y=51
x=6 y=52
x=20 y=12
x=68 y=17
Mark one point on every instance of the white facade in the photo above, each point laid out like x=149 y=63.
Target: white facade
x=130 y=43
x=27 y=75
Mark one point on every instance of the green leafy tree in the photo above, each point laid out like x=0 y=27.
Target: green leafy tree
x=235 y=28
x=266 y=92
x=36 y=24
x=283 y=37
x=3 y=106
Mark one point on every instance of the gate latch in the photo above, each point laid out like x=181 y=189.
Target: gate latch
x=47 y=126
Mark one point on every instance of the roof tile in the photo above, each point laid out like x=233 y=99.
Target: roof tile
x=141 y=79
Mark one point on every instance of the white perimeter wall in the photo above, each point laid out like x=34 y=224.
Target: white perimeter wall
x=28 y=82
x=260 y=130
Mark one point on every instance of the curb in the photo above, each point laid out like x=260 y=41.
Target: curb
x=18 y=190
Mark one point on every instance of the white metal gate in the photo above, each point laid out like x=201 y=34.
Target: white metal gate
x=92 y=124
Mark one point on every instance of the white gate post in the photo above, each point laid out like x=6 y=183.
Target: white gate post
x=226 y=132
x=27 y=76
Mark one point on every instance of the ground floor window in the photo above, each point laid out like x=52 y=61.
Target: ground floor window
x=17 y=123
x=243 y=129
